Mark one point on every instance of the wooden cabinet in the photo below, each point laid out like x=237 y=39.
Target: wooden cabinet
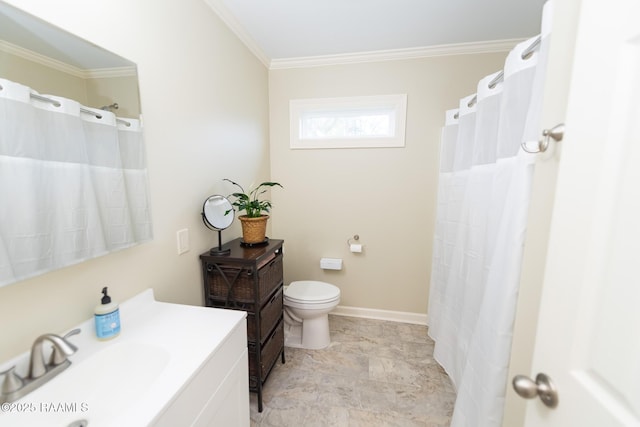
x=250 y=278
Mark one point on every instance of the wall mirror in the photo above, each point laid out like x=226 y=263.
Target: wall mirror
x=69 y=103
x=217 y=215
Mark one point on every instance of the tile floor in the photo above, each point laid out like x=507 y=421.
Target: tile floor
x=374 y=373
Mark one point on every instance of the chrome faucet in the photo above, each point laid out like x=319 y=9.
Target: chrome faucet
x=37 y=368
x=14 y=387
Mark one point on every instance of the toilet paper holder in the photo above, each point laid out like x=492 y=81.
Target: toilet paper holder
x=353 y=246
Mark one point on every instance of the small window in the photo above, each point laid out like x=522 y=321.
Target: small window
x=353 y=122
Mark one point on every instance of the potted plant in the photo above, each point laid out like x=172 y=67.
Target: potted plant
x=254 y=222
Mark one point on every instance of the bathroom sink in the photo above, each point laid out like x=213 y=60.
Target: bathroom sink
x=103 y=387
x=166 y=364
x=131 y=368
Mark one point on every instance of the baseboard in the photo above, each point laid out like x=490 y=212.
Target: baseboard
x=371 y=313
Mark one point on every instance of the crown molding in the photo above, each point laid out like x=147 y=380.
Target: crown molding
x=352 y=58
x=396 y=54
x=227 y=17
x=107 y=73
x=40 y=59
x=64 y=67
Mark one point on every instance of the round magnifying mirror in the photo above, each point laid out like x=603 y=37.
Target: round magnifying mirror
x=218 y=214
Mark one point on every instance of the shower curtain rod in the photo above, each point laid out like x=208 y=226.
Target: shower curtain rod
x=526 y=54
x=82 y=109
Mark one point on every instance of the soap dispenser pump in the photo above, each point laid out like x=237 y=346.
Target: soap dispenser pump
x=107 y=317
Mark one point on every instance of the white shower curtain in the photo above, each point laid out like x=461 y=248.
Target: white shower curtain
x=483 y=198
x=72 y=186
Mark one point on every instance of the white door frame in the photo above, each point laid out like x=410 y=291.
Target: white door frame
x=587 y=323
x=541 y=206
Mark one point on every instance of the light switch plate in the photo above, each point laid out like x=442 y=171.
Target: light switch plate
x=183 y=241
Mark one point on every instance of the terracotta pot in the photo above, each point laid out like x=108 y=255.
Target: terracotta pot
x=253 y=229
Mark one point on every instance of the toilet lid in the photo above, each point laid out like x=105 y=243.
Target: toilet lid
x=311 y=291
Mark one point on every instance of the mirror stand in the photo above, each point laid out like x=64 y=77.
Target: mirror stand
x=219 y=251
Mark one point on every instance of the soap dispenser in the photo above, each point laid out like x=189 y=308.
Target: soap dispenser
x=107 y=317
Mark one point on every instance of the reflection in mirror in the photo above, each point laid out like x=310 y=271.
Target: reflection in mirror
x=50 y=60
x=218 y=214
x=73 y=174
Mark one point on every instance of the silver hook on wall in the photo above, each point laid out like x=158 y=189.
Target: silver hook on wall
x=556 y=133
x=355 y=237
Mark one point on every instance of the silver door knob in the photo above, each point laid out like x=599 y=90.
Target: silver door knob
x=542 y=387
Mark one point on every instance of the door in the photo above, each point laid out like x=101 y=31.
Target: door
x=588 y=335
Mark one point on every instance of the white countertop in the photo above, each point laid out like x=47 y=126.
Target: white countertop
x=159 y=349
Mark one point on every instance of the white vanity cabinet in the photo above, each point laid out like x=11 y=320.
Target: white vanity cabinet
x=218 y=393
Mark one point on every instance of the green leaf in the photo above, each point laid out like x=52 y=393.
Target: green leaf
x=250 y=202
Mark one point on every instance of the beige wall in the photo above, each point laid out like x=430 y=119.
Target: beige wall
x=205 y=103
x=120 y=90
x=41 y=78
x=385 y=195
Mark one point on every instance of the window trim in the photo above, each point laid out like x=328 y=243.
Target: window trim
x=298 y=107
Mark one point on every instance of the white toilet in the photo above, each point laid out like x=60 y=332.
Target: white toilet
x=306 y=306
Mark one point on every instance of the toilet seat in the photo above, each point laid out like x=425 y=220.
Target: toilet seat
x=311 y=292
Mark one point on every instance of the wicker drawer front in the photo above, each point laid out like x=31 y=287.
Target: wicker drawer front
x=270 y=352
x=241 y=279
x=269 y=316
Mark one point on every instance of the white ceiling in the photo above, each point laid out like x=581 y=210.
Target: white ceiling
x=281 y=30
x=286 y=29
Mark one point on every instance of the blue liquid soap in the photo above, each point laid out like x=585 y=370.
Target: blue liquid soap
x=107 y=317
